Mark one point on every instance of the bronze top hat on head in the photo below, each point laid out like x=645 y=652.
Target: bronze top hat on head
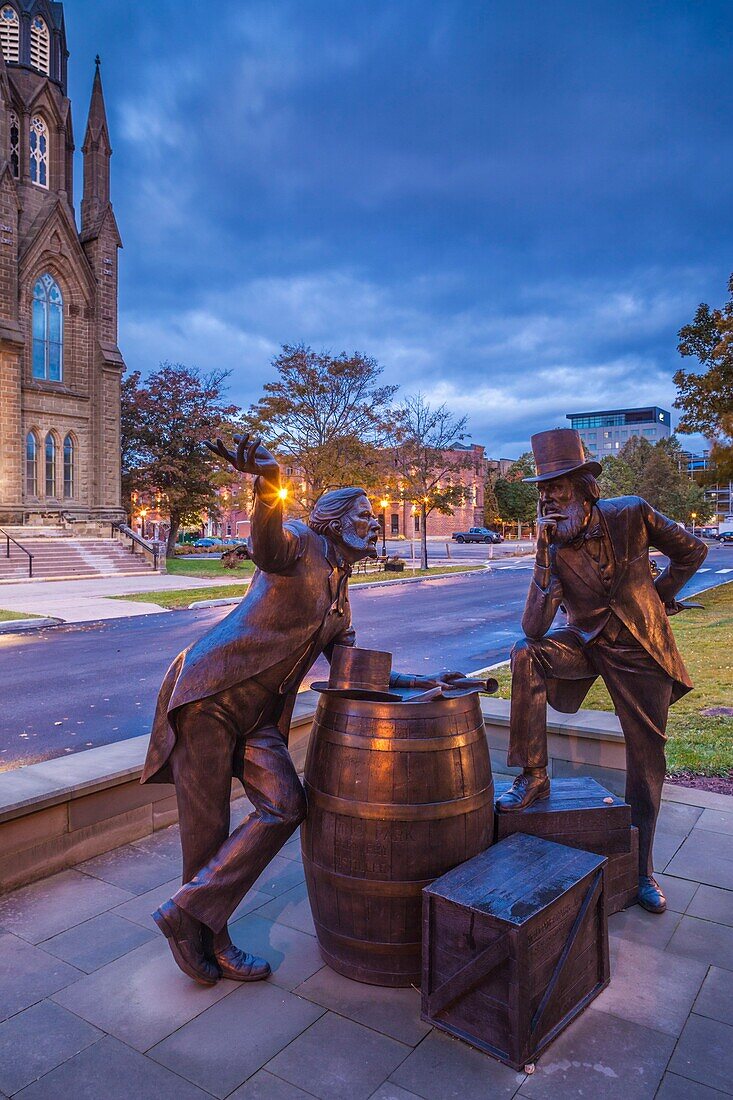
x=359 y=674
x=560 y=452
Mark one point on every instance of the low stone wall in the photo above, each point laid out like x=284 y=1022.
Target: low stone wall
x=58 y=813
x=587 y=743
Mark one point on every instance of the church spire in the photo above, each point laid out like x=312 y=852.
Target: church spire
x=97 y=151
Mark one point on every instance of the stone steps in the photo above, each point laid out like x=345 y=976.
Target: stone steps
x=55 y=557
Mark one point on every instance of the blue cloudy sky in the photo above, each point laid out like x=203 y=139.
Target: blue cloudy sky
x=512 y=205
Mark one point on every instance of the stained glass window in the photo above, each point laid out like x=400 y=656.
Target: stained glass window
x=68 y=467
x=9 y=33
x=39 y=151
x=31 y=475
x=40 y=52
x=48 y=329
x=50 y=465
x=14 y=144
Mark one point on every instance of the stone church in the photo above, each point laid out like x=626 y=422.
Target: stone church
x=60 y=367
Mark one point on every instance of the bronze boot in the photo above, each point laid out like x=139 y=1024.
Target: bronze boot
x=184 y=935
x=526 y=789
x=231 y=961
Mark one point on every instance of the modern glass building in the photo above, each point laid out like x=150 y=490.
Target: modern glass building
x=605 y=431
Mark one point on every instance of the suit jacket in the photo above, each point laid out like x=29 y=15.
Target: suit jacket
x=289 y=616
x=631 y=526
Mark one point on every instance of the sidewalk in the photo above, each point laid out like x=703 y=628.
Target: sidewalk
x=94 y=1006
x=87 y=600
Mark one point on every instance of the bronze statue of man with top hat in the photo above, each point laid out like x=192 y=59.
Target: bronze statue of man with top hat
x=225 y=705
x=592 y=560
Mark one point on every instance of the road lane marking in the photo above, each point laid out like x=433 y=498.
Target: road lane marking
x=724 y=570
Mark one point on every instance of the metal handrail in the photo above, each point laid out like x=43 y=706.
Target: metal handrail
x=148 y=547
x=8 y=539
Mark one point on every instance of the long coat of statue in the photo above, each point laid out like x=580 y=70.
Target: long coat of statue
x=296 y=570
x=640 y=602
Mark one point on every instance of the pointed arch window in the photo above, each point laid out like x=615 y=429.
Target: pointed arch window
x=14 y=143
x=50 y=465
x=68 y=467
x=31 y=468
x=48 y=329
x=39 y=151
x=40 y=44
x=9 y=33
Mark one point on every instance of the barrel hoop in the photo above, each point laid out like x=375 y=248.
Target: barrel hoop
x=386 y=888
x=401 y=744
x=371 y=947
x=396 y=811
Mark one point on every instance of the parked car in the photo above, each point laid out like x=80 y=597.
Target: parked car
x=708 y=533
x=477 y=534
x=209 y=542
x=726 y=538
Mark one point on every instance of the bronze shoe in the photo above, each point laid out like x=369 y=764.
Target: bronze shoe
x=525 y=790
x=240 y=966
x=232 y=962
x=183 y=933
x=650 y=896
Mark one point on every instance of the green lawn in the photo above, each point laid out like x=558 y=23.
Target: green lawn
x=181 y=597
x=698 y=744
x=10 y=616
x=204 y=568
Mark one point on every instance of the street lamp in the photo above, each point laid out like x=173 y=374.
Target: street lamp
x=383 y=504
x=693 y=516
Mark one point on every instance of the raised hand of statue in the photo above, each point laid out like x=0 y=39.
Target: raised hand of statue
x=546 y=527
x=250 y=457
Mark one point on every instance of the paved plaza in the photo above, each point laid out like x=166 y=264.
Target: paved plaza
x=93 y=1006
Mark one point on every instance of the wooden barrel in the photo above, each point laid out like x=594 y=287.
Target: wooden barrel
x=398 y=794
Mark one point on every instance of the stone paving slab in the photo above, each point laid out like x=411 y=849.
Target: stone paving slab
x=225 y=1045
x=93 y=1006
x=338 y=1059
x=140 y=998
x=109 y=1070
x=37 y=1040
x=96 y=942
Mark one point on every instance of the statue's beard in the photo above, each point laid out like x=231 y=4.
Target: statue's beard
x=364 y=548
x=567 y=530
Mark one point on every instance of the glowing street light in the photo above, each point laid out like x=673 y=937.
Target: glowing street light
x=282 y=493
x=383 y=505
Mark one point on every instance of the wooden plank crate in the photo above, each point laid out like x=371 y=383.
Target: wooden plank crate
x=515 y=945
x=583 y=814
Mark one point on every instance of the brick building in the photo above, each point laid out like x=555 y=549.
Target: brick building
x=60 y=366
x=400 y=517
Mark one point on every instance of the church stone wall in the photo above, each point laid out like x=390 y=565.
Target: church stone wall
x=39 y=235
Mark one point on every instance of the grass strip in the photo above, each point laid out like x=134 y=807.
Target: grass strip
x=203 y=568
x=11 y=616
x=698 y=743
x=178 y=598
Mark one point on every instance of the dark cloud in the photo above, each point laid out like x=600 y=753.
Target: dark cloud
x=513 y=205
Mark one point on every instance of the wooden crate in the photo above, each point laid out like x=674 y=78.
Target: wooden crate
x=515 y=945
x=577 y=814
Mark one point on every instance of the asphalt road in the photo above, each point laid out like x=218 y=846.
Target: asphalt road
x=68 y=688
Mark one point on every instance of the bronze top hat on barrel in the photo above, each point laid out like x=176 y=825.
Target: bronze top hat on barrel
x=359 y=674
x=559 y=452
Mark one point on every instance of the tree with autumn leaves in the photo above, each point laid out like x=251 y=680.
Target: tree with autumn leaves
x=706 y=398
x=329 y=417
x=427 y=463
x=165 y=421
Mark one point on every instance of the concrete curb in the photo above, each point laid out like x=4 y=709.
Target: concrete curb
x=18 y=626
